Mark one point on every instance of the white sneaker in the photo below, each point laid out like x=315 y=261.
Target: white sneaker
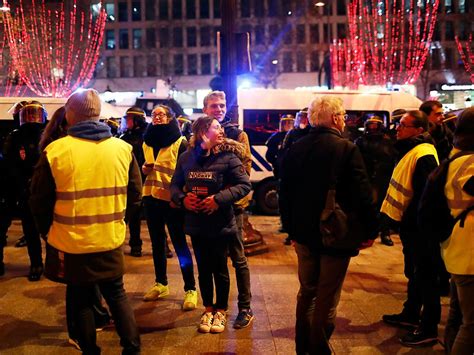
x=218 y=323
x=206 y=322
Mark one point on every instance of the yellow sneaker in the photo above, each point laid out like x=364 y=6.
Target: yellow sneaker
x=157 y=291
x=190 y=300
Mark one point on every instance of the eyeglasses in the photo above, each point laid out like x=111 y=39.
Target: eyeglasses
x=403 y=125
x=345 y=116
x=158 y=114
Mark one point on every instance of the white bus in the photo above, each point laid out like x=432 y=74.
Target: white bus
x=259 y=115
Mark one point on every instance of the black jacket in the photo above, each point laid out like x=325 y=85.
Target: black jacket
x=306 y=180
x=221 y=174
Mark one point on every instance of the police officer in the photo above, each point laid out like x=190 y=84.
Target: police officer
x=301 y=129
x=21 y=154
x=379 y=157
x=275 y=142
x=134 y=125
x=186 y=126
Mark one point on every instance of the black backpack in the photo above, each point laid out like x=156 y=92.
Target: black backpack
x=434 y=215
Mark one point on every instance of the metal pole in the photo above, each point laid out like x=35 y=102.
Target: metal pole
x=228 y=70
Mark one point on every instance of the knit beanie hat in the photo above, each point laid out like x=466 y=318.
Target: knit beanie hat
x=464 y=132
x=84 y=105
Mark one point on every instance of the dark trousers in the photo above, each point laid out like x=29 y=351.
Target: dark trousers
x=101 y=314
x=454 y=321
x=81 y=301
x=33 y=241
x=211 y=258
x=158 y=214
x=134 y=225
x=321 y=278
x=421 y=270
x=239 y=262
x=459 y=336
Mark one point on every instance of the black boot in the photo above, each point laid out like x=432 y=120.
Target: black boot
x=386 y=240
x=35 y=273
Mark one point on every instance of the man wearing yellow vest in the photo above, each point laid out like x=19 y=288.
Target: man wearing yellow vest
x=418 y=158
x=457 y=250
x=81 y=188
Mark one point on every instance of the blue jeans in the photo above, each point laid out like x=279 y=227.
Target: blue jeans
x=81 y=299
x=158 y=214
x=321 y=278
x=239 y=262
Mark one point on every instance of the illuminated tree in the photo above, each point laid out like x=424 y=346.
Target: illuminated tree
x=54 y=49
x=466 y=52
x=389 y=40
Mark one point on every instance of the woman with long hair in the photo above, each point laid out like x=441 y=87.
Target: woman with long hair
x=208 y=179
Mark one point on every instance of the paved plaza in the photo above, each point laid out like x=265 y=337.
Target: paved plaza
x=32 y=314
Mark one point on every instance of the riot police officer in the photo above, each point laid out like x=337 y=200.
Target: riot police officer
x=134 y=125
x=21 y=154
x=379 y=156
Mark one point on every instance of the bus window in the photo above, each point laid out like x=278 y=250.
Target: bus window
x=261 y=124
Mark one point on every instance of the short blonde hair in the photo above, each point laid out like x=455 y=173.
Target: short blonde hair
x=213 y=94
x=321 y=110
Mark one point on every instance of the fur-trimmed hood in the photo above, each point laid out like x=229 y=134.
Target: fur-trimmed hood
x=229 y=145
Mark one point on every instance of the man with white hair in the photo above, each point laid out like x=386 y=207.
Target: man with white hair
x=321 y=270
x=82 y=186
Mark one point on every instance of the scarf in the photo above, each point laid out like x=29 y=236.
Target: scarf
x=162 y=135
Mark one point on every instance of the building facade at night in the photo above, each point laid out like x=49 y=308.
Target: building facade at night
x=175 y=40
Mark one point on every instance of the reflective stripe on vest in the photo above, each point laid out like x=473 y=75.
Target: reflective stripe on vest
x=91 y=180
x=457 y=250
x=157 y=183
x=400 y=189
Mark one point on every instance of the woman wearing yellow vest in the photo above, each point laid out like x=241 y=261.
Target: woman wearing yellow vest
x=162 y=145
x=458 y=249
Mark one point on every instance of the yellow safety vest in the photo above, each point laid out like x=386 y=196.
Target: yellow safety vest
x=157 y=183
x=458 y=249
x=400 y=190
x=91 y=180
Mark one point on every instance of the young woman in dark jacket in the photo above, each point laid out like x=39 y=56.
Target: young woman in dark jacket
x=208 y=179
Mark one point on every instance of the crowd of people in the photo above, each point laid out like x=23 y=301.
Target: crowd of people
x=192 y=179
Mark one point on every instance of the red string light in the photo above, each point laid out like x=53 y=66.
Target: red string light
x=467 y=55
x=388 y=43
x=55 y=50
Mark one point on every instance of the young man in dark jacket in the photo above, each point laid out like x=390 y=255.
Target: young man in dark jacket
x=418 y=159
x=304 y=186
x=215 y=106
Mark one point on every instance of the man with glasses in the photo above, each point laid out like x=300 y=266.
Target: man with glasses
x=305 y=179
x=438 y=130
x=418 y=158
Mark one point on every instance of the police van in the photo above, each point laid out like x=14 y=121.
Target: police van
x=260 y=111
x=51 y=104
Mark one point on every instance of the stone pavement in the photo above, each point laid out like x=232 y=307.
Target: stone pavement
x=32 y=316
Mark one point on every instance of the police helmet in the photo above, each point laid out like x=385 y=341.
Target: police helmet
x=286 y=122
x=136 y=117
x=301 y=120
x=373 y=125
x=33 y=112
